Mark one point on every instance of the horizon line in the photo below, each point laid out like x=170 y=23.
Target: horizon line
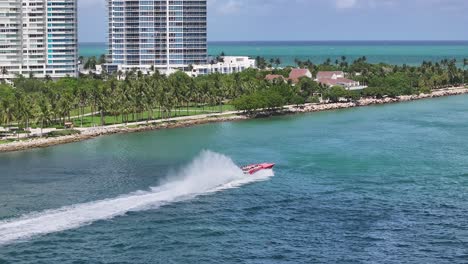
x=422 y=40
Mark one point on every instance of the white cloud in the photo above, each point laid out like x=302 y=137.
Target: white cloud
x=225 y=7
x=229 y=7
x=349 y=4
x=345 y=4
x=90 y=3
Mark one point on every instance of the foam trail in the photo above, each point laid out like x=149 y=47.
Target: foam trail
x=209 y=172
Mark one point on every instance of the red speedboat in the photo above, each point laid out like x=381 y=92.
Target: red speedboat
x=254 y=168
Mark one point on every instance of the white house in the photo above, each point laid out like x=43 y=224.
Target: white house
x=97 y=70
x=337 y=78
x=330 y=75
x=228 y=65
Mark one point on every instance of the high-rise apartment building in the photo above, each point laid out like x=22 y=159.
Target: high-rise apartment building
x=165 y=34
x=38 y=37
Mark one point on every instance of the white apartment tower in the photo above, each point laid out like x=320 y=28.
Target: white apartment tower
x=38 y=37
x=165 y=34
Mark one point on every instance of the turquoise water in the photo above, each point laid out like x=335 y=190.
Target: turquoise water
x=393 y=52
x=381 y=184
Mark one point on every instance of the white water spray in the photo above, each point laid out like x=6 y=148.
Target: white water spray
x=209 y=172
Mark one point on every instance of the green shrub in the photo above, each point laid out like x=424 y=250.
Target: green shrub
x=425 y=90
x=314 y=99
x=61 y=133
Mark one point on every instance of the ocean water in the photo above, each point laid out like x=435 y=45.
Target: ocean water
x=393 y=52
x=381 y=184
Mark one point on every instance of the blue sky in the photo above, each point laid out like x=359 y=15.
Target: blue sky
x=314 y=20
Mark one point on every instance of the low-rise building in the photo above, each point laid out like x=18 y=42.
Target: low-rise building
x=337 y=78
x=330 y=75
x=227 y=65
x=296 y=74
x=272 y=77
x=98 y=69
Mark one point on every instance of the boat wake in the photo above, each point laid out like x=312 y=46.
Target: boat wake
x=208 y=173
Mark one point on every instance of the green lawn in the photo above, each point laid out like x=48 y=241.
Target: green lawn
x=76 y=112
x=89 y=121
x=87 y=110
x=5 y=141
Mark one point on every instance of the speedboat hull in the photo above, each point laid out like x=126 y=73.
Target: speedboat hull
x=254 y=168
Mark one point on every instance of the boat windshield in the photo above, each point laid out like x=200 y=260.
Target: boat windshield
x=250 y=167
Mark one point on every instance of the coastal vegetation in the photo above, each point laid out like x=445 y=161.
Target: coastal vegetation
x=121 y=98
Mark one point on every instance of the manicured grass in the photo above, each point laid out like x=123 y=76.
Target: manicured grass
x=89 y=121
x=6 y=141
x=76 y=112
x=214 y=108
x=87 y=110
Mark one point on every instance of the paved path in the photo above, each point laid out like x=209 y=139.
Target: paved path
x=158 y=121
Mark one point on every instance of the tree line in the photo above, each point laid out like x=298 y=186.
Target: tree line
x=138 y=96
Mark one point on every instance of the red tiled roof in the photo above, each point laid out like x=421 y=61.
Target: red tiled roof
x=328 y=74
x=271 y=77
x=298 y=73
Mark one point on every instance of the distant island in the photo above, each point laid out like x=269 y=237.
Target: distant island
x=35 y=108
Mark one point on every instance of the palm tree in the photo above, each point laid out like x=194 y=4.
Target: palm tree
x=82 y=95
x=116 y=101
x=277 y=62
x=238 y=87
x=102 y=59
x=191 y=93
x=8 y=111
x=65 y=106
x=120 y=74
x=158 y=86
x=343 y=63
x=297 y=61
x=452 y=70
x=103 y=100
x=4 y=72
x=44 y=114
x=220 y=57
x=465 y=63
x=167 y=99
x=148 y=96
x=218 y=92
x=90 y=63
x=20 y=105
x=272 y=61
x=95 y=96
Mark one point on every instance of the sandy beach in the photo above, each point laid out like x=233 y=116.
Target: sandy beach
x=178 y=122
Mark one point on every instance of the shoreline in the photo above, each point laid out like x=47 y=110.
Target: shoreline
x=181 y=122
